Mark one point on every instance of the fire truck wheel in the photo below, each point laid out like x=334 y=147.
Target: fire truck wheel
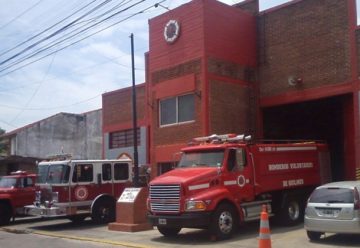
x=5 y=214
x=223 y=222
x=77 y=218
x=103 y=211
x=292 y=213
x=169 y=231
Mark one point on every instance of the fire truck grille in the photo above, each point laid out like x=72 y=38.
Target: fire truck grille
x=165 y=198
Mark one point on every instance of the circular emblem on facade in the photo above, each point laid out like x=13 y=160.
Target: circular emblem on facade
x=171 y=31
x=81 y=193
x=241 y=181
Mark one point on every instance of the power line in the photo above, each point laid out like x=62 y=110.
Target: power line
x=35 y=92
x=52 y=108
x=55 y=33
x=62 y=41
x=21 y=14
x=47 y=29
x=77 y=41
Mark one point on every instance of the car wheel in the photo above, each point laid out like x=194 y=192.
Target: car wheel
x=169 y=231
x=223 y=222
x=5 y=214
x=103 y=211
x=313 y=236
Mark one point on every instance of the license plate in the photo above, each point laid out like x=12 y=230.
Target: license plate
x=330 y=212
x=162 y=221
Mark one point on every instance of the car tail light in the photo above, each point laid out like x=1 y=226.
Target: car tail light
x=356 y=199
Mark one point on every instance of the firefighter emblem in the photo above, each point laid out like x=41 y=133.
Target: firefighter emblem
x=81 y=193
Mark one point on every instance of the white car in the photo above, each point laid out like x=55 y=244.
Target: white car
x=333 y=208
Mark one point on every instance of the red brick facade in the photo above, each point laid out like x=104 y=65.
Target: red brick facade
x=238 y=63
x=307 y=39
x=117 y=108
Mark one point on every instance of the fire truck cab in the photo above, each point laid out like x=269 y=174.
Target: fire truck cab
x=80 y=188
x=16 y=191
x=222 y=180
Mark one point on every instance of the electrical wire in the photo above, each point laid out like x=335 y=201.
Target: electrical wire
x=55 y=33
x=35 y=92
x=21 y=14
x=67 y=38
x=77 y=41
x=47 y=29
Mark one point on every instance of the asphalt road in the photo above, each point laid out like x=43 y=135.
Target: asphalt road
x=35 y=232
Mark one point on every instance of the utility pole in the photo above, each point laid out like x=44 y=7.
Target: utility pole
x=134 y=116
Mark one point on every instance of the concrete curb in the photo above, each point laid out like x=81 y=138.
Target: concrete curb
x=16 y=231
x=102 y=241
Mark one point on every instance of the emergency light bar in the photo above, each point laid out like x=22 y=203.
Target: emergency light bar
x=223 y=138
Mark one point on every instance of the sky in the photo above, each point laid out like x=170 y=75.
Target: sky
x=60 y=76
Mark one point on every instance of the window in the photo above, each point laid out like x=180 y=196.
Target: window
x=121 y=171
x=83 y=173
x=106 y=172
x=177 y=109
x=123 y=139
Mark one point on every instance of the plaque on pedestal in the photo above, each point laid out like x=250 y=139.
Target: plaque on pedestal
x=131 y=211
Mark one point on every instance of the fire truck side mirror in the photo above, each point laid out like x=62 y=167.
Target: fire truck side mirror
x=99 y=179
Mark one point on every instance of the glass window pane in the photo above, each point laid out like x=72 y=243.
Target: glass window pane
x=121 y=171
x=168 y=111
x=106 y=172
x=83 y=173
x=186 y=108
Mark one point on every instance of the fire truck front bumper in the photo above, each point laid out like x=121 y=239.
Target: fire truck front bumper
x=190 y=220
x=44 y=211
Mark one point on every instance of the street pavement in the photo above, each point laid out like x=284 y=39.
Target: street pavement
x=246 y=236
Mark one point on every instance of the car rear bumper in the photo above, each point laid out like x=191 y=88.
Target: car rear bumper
x=331 y=225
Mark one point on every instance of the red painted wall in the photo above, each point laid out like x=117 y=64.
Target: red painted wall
x=231 y=35
x=188 y=46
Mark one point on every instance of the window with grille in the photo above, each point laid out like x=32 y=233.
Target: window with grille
x=123 y=139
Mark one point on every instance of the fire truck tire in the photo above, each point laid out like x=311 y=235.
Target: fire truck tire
x=292 y=212
x=5 y=214
x=77 y=218
x=169 y=231
x=223 y=222
x=103 y=211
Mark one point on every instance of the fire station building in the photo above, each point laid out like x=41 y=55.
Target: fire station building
x=290 y=72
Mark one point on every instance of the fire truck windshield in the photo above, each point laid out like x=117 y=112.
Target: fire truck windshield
x=7 y=182
x=53 y=173
x=202 y=158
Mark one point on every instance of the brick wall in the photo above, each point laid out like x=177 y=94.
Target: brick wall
x=358 y=50
x=178 y=133
x=231 y=70
x=229 y=108
x=117 y=106
x=251 y=6
x=307 y=39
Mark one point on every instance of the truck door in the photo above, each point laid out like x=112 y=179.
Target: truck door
x=239 y=175
x=26 y=192
x=83 y=186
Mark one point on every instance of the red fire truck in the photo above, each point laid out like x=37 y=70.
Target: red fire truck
x=16 y=191
x=222 y=180
x=80 y=188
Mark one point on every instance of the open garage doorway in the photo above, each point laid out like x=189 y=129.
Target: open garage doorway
x=323 y=119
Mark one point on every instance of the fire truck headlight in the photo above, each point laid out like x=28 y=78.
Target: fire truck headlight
x=195 y=206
